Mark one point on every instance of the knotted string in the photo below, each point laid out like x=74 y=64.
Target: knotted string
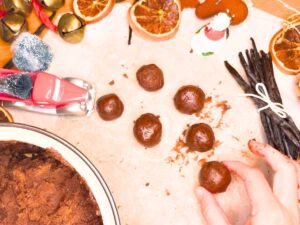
x=289 y=23
x=263 y=95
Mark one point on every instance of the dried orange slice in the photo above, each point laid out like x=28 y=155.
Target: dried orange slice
x=298 y=85
x=5 y=116
x=92 y=10
x=155 y=19
x=285 y=46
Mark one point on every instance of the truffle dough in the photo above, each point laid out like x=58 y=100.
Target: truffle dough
x=110 y=107
x=189 y=99
x=215 y=177
x=148 y=130
x=150 y=77
x=200 y=137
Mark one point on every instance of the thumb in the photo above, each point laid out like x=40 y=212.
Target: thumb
x=210 y=208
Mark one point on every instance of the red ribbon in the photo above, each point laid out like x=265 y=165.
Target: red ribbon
x=2 y=12
x=43 y=17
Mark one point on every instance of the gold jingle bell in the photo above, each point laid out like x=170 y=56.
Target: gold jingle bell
x=11 y=26
x=18 y=6
x=52 y=5
x=71 y=28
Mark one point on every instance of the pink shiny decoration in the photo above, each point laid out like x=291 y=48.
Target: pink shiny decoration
x=48 y=90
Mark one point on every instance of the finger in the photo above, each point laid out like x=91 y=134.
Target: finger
x=285 y=182
x=258 y=189
x=297 y=166
x=210 y=208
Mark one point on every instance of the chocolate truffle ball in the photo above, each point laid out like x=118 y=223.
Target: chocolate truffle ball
x=147 y=130
x=200 y=137
x=215 y=177
x=150 y=77
x=110 y=107
x=189 y=99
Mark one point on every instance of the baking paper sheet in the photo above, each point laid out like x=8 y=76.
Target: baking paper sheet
x=147 y=187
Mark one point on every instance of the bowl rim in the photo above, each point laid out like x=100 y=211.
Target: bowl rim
x=75 y=150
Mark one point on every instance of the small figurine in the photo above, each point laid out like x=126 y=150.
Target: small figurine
x=46 y=93
x=212 y=36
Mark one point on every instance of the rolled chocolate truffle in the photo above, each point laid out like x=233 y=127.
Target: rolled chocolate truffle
x=189 y=99
x=110 y=107
x=147 y=130
x=200 y=137
x=150 y=77
x=214 y=177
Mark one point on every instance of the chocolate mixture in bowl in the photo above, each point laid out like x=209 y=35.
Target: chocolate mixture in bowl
x=36 y=188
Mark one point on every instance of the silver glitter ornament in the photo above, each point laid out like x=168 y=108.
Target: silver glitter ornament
x=30 y=53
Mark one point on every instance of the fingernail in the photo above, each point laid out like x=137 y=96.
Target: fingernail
x=252 y=141
x=256 y=147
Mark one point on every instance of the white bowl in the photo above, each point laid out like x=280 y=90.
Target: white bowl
x=44 y=139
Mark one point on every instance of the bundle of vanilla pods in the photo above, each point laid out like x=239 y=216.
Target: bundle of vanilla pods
x=281 y=133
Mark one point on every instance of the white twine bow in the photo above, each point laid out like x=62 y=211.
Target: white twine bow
x=263 y=95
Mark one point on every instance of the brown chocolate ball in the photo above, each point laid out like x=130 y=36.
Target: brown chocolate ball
x=147 y=130
x=214 y=177
x=110 y=107
x=189 y=99
x=150 y=77
x=200 y=137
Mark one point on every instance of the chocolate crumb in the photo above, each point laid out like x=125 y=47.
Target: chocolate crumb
x=208 y=100
x=217 y=144
x=167 y=192
x=224 y=106
x=147 y=184
x=111 y=83
x=125 y=75
x=201 y=162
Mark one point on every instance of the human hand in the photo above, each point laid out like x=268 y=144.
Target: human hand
x=276 y=204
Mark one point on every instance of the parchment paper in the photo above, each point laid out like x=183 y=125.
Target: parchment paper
x=147 y=187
